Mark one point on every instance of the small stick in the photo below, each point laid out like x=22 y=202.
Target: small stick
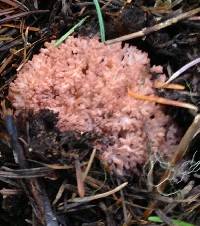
x=99 y=196
x=59 y=193
x=178 y=155
x=33 y=187
x=148 y=30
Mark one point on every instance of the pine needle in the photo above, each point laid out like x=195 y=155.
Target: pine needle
x=161 y=100
x=163 y=85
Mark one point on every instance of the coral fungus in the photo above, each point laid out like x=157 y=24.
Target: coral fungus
x=86 y=83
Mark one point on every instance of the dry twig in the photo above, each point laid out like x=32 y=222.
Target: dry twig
x=99 y=196
x=148 y=30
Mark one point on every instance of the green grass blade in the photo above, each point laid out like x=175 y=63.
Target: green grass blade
x=65 y=36
x=157 y=219
x=101 y=22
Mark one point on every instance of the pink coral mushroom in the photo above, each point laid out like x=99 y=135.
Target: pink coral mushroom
x=86 y=83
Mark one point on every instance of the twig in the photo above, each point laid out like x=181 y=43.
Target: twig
x=148 y=30
x=60 y=193
x=50 y=219
x=12 y=131
x=183 y=145
x=25 y=173
x=32 y=187
x=99 y=196
x=178 y=155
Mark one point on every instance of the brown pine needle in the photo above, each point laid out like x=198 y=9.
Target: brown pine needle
x=6 y=63
x=18 y=27
x=89 y=164
x=162 y=85
x=79 y=178
x=161 y=100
